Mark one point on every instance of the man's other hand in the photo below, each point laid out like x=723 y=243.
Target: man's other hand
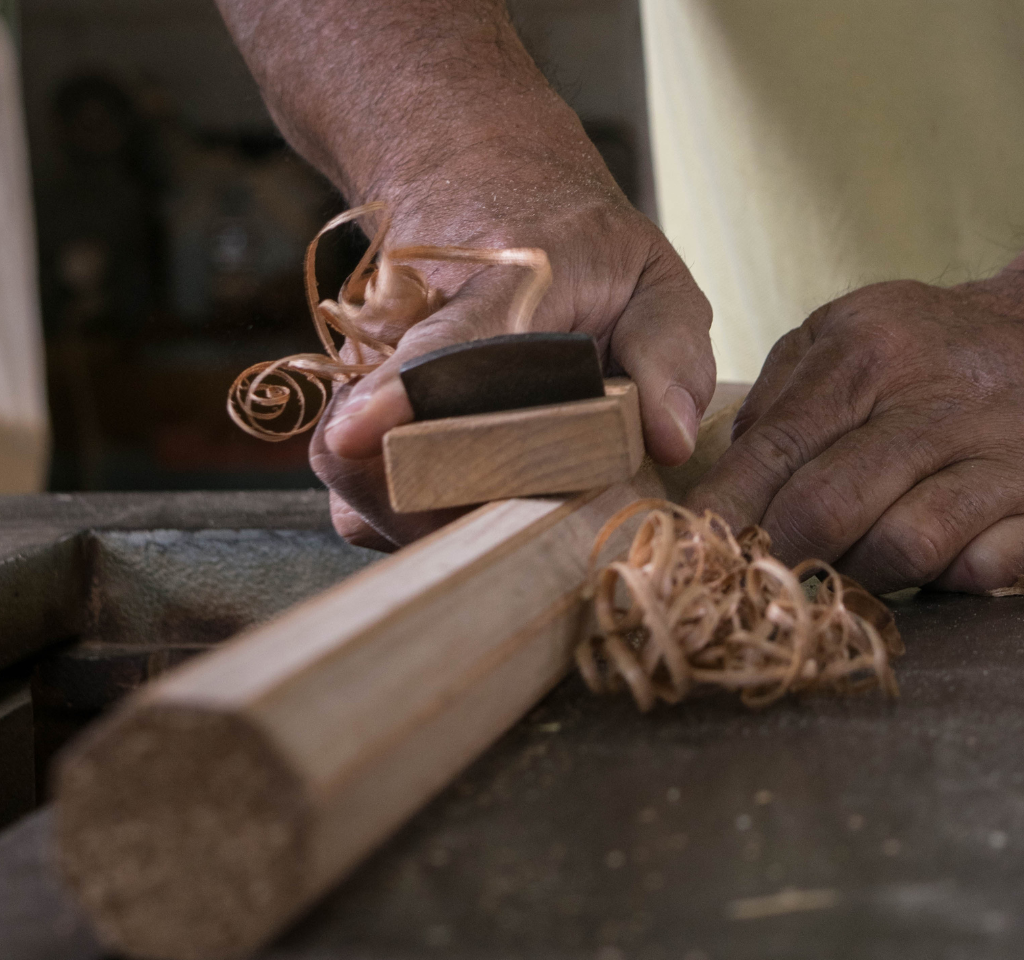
x=886 y=435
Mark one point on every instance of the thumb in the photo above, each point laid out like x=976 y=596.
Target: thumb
x=355 y=428
x=662 y=341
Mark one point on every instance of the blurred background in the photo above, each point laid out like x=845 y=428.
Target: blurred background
x=171 y=222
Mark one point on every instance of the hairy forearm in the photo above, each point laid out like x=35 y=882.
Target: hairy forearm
x=395 y=100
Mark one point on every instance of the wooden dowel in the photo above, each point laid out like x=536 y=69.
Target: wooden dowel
x=215 y=805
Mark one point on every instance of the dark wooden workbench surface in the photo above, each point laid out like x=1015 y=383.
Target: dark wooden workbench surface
x=592 y=831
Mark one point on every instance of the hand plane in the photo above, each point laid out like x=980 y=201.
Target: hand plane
x=511 y=416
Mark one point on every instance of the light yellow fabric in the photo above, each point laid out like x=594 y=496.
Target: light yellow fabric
x=24 y=447
x=807 y=147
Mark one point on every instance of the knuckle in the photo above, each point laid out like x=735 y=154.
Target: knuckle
x=665 y=270
x=345 y=520
x=855 y=359
x=350 y=526
x=780 y=445
x=819 y=318
x=745 y=418
x=871 y=323
x=813 y=517
x=787 y=348
x=871 y=343
x=347 y=527
x=828 y=509
x=698 y=306
x=913 y=549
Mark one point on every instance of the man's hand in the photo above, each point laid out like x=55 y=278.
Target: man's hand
x=615 y=277
x=887 y=434
x=435 y=107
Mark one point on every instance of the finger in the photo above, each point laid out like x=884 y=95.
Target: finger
x=993 y=560
x=662 y=342
x=357 y=428
x=362 y=485
x=354 y=430
x=822 y=401
x=353 y=528
x=921 y=534
x=778 y=367
x=831 y=502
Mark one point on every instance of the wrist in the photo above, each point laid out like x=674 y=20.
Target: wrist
x=528 y=184
x=430 y=105
x=481 y=183
x=463 y=132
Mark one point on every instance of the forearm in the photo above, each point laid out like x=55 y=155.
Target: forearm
x=396 y=100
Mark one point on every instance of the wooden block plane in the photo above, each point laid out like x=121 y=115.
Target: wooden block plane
x=560 y=448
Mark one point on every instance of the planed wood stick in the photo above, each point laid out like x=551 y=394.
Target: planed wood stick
x=215 y=805
x=561 y=448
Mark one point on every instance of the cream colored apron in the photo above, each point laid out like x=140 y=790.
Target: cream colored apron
x=804 y=148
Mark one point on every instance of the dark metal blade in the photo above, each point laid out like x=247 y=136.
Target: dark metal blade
x=503 y=373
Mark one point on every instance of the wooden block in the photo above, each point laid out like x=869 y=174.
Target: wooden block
x=217 y=804
x=561 y=448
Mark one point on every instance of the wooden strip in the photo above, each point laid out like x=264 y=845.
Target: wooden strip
x=560 y=448
x=219 y=802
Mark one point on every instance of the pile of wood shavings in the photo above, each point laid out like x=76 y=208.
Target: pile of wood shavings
x=693 y=606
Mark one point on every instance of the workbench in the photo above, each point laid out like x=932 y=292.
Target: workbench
x=821 y=829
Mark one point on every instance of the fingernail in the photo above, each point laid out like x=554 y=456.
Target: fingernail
x=334 y=433
x=357 y=428
x=683 y=411
x=352 y=407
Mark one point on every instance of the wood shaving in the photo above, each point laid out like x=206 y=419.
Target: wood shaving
x=783 y=902
x=276 y=400
x=1015 y=590
x=693 y=606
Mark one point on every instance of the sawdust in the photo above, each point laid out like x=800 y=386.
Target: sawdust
x=694 y=606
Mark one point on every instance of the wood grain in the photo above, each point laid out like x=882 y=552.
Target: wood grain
x=562 y=448
x=218 y=803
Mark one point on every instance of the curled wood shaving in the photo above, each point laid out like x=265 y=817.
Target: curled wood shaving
x=693 y=605
x=1016 y=589
x=276 y=400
